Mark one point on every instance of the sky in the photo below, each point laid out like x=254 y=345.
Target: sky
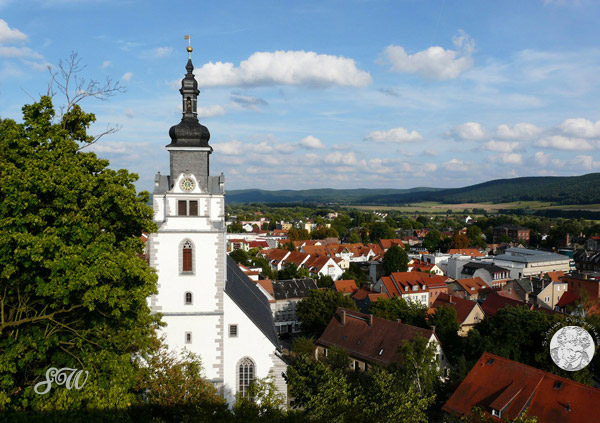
x=327 y=94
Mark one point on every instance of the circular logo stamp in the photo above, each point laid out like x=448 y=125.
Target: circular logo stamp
x=572 y=348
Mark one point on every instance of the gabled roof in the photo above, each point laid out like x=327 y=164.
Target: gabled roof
x=472 y=285
x=267 y=285
x=555 y=276
x=293 y=288
x=275 y=254
x=473 y=252
x=296 y=257
x=510 y=387
x=369 y=338
x=462 y=307
x=346 y=286
x=316 y=263
x=387 y=243
x=247 y=296
x=494 y=302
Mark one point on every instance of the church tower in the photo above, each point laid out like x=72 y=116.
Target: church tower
x=209 y=306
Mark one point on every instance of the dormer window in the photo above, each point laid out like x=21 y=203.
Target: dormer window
x=496 y=413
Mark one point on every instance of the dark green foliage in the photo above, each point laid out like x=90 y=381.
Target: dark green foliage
x=316 y=310
x=324 y=232
x=395 y=260
x=432 y=240
x=240 y=256
x=325 y=281
x=381 y=230
x=408 y=312
x=355 y=273
x=73 y=287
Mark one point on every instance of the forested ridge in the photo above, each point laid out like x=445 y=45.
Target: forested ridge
x=583 y=189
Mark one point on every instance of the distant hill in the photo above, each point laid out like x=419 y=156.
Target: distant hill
x=324 y=195
x=560 y=189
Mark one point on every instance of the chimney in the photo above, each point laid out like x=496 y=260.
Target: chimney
x=370 y=320
x=543 y=283
x=343 y=317
x=399 y=321
x=433 y=328
x=569 y=406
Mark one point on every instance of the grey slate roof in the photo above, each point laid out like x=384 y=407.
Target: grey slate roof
x=293 y=288
x=525 y=255
x=250 y=300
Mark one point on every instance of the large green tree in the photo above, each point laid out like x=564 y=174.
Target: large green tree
x=73 y=286
x=395 y=260
x=316 y=310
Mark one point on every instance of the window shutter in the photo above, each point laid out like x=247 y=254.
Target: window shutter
x=181 y=208
x=193 y=208
x=187 y=260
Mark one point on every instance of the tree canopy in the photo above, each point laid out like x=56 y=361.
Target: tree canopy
x=316 y=310
x=395 y=260
x=73 y=286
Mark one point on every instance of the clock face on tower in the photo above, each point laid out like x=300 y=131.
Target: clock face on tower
x=187 y=184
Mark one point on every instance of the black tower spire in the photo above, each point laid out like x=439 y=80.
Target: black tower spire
x=189 y=149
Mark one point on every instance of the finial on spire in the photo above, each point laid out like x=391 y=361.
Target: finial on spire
x=189 y=47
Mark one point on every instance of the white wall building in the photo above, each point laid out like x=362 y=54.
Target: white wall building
x=209 y=306
x=524 y=262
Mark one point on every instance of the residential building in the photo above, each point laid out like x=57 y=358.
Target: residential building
x=587 y=261
x=583 y=285
x=283 y=295
x=474 y=289
x=471 y=252
x=504 y=389
x=209 y=306
x=491 y=274
x=468 y=313
x=370 y=340
x=512 y=232
x=345 y=286
x=494 y=302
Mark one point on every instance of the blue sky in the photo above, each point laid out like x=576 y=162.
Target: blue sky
x=341 y=94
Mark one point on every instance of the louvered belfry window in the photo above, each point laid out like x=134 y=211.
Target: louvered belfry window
x=187 y=257
x=245 y=375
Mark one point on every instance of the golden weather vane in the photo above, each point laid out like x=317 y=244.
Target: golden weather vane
x=189 y=47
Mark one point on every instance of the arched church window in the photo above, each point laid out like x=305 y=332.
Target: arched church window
x=246 y=372
x=188 y=298
x=187 y=256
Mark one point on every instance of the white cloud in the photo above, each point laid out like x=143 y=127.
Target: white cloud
x=210 y=111
x=19 y=52
x=394 y=135
x=160 y=52
x=311 y=142
x=520 y=131
x=561 y=142
x=106 y=64
x=339 y=157
x=511 y=158
x=435 y=62
x=542 y=158
x=230 y=148
x=127 y=77
x=580 y=127
x=585 y=163
x=501 y=146
x=455 y=165
x=469 y=131
x=10 y=35
x=284 y=68
x=129 y=113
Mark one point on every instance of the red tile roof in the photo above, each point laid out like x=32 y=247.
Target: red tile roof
x=275 y=254
x=556 y=276
x=510 y=387
x=369 y=338
x=473 y=252
x=346 y=286
x=494 y=302
x=472 y=285
x=387 y=243
x=463 y=307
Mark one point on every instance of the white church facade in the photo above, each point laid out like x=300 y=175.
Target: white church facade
x=209 y=306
